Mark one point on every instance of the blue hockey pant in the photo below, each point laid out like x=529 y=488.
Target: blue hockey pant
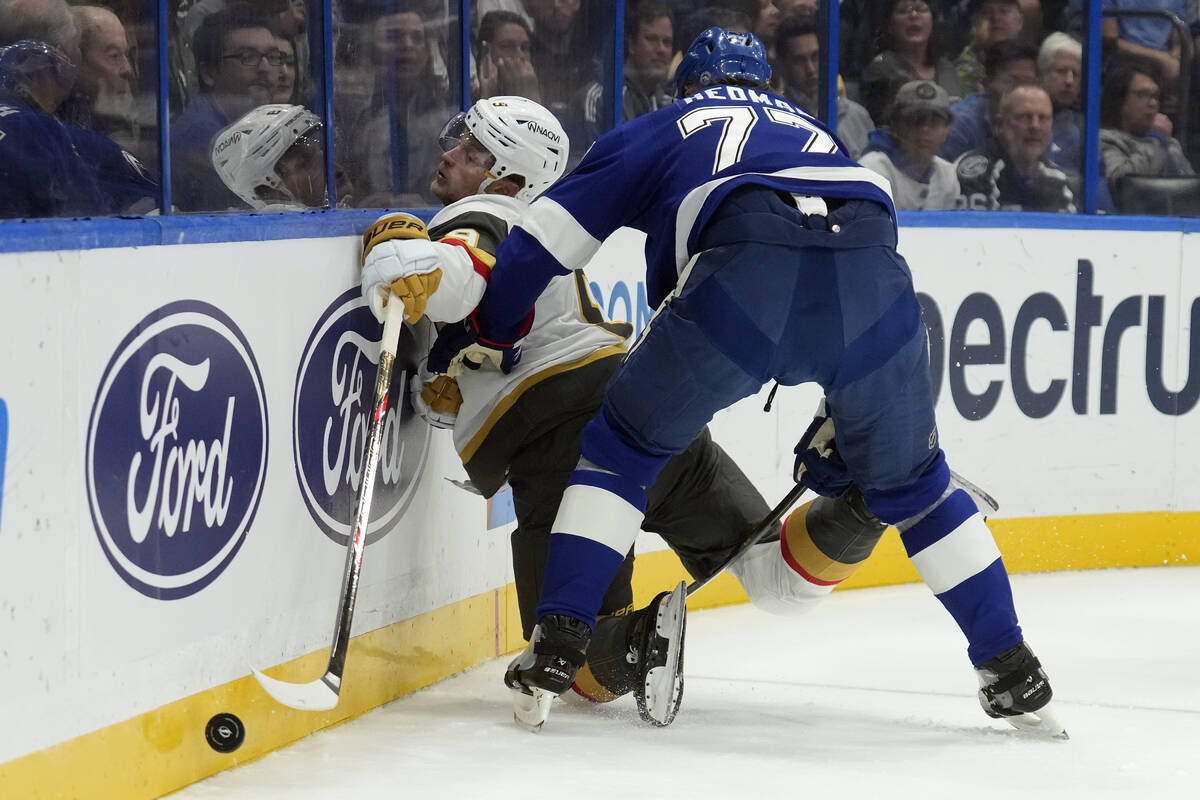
x=775 y=295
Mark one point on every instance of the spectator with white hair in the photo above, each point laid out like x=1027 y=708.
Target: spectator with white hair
x=1060 y=68
x=48 y=21
x=106 y=73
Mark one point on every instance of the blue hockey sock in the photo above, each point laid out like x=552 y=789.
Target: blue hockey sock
x=597 y=522
x=954 y=552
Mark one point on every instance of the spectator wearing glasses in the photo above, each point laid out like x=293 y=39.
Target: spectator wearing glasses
x=237 y=63
x=1012 y=172
x=909 y=50
x=1135 y=137
x=1006 y=64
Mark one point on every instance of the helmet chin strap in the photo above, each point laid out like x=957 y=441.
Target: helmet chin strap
x=489 y=178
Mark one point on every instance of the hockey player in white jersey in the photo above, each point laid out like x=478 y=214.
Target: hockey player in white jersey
x=524 y=426
x=273 y=158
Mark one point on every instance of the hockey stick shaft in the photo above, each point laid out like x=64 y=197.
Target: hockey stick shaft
x=323 y=693
x=393 y=322
x=756 y=535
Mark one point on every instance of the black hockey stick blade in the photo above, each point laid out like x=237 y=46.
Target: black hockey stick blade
x=323 y=693
x=755 y=536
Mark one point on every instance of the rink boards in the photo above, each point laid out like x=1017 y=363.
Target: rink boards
x=181 y=428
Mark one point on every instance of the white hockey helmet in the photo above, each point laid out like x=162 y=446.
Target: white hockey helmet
x=524 y=137
x=245 y=154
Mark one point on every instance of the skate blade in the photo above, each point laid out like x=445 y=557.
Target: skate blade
x=1043 y=723
x=664 y=684
x=530 y=711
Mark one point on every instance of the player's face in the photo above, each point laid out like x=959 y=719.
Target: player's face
x=802 y=65
x=1061 y=79
x=254 y=80
x=1140 y=106
x=650 y=51
x=1024 y=122
x=461 y=170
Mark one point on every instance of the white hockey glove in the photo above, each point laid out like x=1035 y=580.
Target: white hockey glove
x=435 y=398
x=399 y=258
x=818 y=464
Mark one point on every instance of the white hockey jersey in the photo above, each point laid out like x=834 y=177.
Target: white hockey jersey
x=569 y=329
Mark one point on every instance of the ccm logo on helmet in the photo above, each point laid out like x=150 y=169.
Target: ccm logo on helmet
x=549 y=134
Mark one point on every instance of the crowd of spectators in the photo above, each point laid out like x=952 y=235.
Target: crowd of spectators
x=970 y=104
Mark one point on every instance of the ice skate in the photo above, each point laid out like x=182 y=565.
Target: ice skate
x=546 y=668
x=658 y=638
x=1014 y=687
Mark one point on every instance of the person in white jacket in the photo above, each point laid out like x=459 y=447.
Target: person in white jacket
x=906 y=152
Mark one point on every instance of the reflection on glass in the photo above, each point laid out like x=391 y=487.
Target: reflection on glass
x=69 y=124
x=400 y=85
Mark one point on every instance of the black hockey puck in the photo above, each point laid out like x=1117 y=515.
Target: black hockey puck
x=225 y=733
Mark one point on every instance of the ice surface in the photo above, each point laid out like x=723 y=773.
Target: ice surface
x=869 y=696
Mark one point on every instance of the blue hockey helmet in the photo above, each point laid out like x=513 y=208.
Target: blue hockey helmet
x=24 y=61
x=719 y=56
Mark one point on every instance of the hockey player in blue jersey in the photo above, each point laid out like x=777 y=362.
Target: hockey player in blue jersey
x=771 y=255
x=49 y=168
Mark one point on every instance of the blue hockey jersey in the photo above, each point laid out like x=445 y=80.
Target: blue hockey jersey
x=49 y=168
x=665 y=174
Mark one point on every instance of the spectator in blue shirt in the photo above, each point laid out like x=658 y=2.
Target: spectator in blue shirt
x=237 y=62
x=1151 y=36
x=1006 y=64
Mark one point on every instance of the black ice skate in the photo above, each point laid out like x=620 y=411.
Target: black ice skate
x=657 y=643
x=1014 y=687
x=546 y=668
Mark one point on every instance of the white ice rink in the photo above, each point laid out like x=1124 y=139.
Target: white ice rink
x=870 y=696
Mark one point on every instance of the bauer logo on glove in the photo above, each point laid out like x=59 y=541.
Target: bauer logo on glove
x=399 y=259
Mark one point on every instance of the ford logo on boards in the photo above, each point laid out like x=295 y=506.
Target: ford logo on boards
x=177 y=450
x=331 y=417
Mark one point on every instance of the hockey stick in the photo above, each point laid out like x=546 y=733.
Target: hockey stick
x=322 y=694
x=979 y=495
x=755 y=536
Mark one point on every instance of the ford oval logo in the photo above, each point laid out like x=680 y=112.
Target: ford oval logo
x=177 y=450
x=335 y=387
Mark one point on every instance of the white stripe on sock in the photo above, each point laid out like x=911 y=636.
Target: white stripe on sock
x=966 y=551
x=599 y=515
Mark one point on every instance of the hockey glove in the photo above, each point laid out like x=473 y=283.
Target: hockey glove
x=818 y=464
x=399 y=259
x=435 y=398
x=459 y=345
